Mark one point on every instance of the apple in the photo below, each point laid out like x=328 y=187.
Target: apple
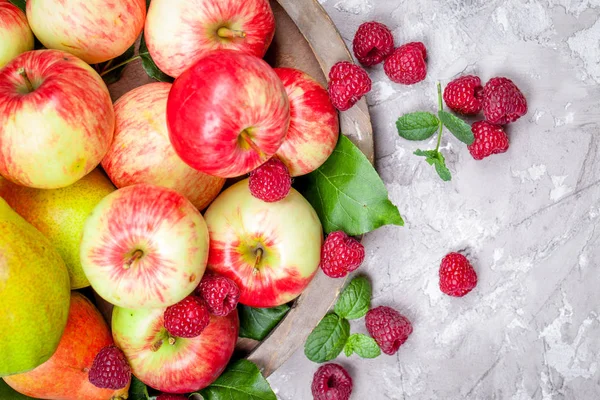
x=15 y=35
x=142 y=153
x=314 y=126
x=227 y=114
x=270 y=250
x=181 y=32
x=144 y=246
x=65 y=375
x=93 y=30
x=173 y=364
x=56 y=119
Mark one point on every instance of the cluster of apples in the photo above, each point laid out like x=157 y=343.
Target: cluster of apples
x=168 y=149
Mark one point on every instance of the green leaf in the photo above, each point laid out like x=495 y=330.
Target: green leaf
x=363 y=345
x=8 y=393
x=19 y=3
x=417 y=125
x=348 y=194
x=138 y=390
x=113 y=75
x=241 y=380
x=149 y=65
x=457 y=126
x=355 y=300
x=328 y=339
x=430 y=154
x=257 y=323
x=442 y=171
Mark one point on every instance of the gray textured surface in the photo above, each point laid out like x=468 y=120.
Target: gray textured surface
x=529 y=218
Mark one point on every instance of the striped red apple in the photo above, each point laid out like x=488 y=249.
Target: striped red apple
x=56 y=119
x=15 y=35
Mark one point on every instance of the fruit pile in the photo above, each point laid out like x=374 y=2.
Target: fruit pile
x=170 y=213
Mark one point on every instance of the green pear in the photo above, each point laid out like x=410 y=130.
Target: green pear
x=60 y=214
x=34 y=295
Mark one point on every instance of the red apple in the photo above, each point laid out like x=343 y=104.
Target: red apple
x=65 y=375
x=173 y=364
x=142 y=153
x=93 y=30
x=227 y=114
x=180 y=32
x=56 y=119
x=15 y=35
x=144 y=246
x=314 y=126
x=271 y=250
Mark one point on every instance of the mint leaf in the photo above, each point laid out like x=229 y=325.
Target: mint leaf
x=113 y=75
x=138 y=390
x=20 y=4
x=430 y=154
x=457 y=126
x=435 y=158
x=241 y=380
x=8 y=393
x=149 y=65
x=257 y=323
x=348 y=194
x=328 y=339
x=417 y=125
x=355 y=300
x=442 y=171
x=363 y=345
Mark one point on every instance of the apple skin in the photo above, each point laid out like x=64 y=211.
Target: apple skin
x=314 y=125
x=65 y=375
x=227 y=114
x=60 y=214
x=142 y=153
x=93 y=30
x=56 y=134
x=181 y=32
x=15 y=35
x=288 y=231
x=144 y=246
x=186 y=365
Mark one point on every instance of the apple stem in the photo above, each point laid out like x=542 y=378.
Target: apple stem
x=227 y=33
x=156 y=345
x=135 y=256
x=248 y=139
x=259 y=254
x=23 y=73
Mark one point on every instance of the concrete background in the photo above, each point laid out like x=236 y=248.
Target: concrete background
x=529 y=218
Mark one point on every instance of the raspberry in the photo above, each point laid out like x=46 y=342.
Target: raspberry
x=373 y=43
x=407 y=64
x=188 y=318
x=489 y=139
x=457 y=276
x=110 y=369
x=341 y=254
x=168 y=396
x=271 y=181
x=220 y=293
x=503 y=102
x=348 y=83
x=331 y=382
x=388 y=327
x=464 y=95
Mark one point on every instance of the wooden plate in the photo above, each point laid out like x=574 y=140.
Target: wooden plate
x=305 y=39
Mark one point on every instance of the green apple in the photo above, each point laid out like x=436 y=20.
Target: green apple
x=60 y=214
x=34 y=294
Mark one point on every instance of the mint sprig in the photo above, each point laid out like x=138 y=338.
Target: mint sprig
x=332 y=334
x=422 y=125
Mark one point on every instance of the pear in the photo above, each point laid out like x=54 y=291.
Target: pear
x=60 y=214
x=34 y=295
